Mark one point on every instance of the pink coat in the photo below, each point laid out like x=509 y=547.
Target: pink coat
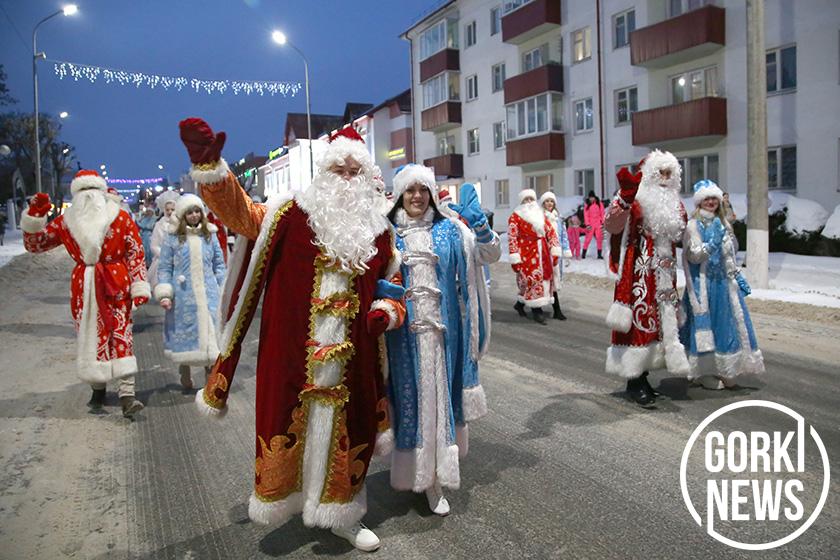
x=593 y=215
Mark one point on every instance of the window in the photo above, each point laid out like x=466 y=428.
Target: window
x=781 y=167
x=469 y=34
x=535 y=58
x=473 y=146
x=583 y=115
x=781 y=69
x=445 y=144
x=498 y=135
x=541 y=184
x=498 y=72
x=536 y=115
x=472 y=87
x=443 y=87
x=623 y=24
x=679 y=7
x=442 y=35
x=511 y=5
x=495 y=20
x=695 y=168
x=584 y=181
x=626 y=103
x=581 y=44
x=502 y=193
x=694 y=84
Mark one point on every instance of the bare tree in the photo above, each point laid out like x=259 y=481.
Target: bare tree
x=5 y=97
x=16 y=131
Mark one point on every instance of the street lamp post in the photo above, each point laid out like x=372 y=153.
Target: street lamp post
x=280 y=38
x=67 y=10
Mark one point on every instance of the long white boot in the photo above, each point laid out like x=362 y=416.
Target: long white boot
x=437 y=501
x=359 y=536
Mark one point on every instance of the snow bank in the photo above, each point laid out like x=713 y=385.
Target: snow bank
x=12 y=246
x=804 y=215
x=832 y=226
x=778 y=202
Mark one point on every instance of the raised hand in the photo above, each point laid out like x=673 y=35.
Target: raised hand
x=203 y=145
x=628 y=184
x=470 y=207
x=40 y=205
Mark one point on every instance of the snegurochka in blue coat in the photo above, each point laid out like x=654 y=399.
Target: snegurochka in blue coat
x=191 y=272
x=433 y=358
x=717 y=334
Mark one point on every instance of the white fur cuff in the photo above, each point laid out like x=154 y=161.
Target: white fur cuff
x=210 y=176
x=32 y=224
x=620 y=317
x=515 y=258
x=141 y=288
x=388 y=308
x=205 y=409
x=164 y=291
x=475 y=403
x=384 y=443
x=556 y=252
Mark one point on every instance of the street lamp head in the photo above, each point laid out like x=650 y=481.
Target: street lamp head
x=63 y=114
x=102 y=166
x=70 y=9
x=160 y=166
x=5 y=150
x=65 y=150
x=278 y=37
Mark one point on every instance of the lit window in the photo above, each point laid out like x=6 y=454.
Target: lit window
x=581 y=44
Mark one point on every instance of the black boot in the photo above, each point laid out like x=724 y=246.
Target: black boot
x=558 y=314
x=648 y=386
x=538 y=314
x=639 y=393
x=583 y=254
x=520 y=308
x=600 y=256
x=97 y=399
x=130 y=406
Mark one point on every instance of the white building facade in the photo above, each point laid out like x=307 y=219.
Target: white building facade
x=517 y=93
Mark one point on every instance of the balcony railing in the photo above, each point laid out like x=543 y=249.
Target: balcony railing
x=532 y=19
x=700 y=118
x=536 y=149
x=539 y=80
x=447 y=59
x=442 y=116
x=679 y=39
x=449 y=165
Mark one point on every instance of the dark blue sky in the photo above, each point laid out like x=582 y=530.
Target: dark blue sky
x=353 y=48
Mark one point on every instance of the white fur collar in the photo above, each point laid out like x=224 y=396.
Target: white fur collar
x=90 y=237
x=403 y=219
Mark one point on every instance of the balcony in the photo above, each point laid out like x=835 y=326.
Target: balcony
x=539 y=80
x=449 y=165
x=532 y=19
x=543 y=149
x=679 y=39
x=447 y=59
x=442 y=116
x=700 y=119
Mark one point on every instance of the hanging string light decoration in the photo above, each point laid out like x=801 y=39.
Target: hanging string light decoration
x=144 y=181
x=76 y=72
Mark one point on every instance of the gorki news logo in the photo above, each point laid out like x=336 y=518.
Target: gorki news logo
x=756 y=477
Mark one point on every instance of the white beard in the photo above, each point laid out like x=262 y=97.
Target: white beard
x=346 y=217
x=88 y=220
x=534 y=215
x=661 y=210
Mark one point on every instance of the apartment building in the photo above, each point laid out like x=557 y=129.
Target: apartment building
x=551 y=94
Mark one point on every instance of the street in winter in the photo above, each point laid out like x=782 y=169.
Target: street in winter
x=458 y=279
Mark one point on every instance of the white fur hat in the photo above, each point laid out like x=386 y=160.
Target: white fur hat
x=415 y=173
x=657 y=160
x=87 y=179
x=164 y=198
x=704 y=189
x=548 y=195
x=525 y=193
x=185 y=202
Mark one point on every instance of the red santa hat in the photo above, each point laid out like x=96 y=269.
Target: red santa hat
x=444 y=196
x=526 y=193
x=347 y=143
x=112 y=193
x=87 y=179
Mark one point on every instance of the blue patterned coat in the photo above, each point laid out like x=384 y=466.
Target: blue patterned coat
x=146 y=224
x=191 y=275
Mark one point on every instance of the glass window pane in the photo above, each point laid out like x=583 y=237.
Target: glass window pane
x=621 y=106
x=676 y=8
x=696 y=170
x=634 y=101
x=451 y=34
x=587 y=39
x=711 y=82
x=771 y=71
x=712 y=168
x=588 y=114
x=579 y=117
x=788 y=60
x=556 y=112
x=631 y=23
x=789 y=167
x=772 y=169
x=511 y=121
x=589 y=175
x=678 y=86
x=520 y=117
x=532 y=115
x=620 y=31
x=542 y=113
x=697 y=89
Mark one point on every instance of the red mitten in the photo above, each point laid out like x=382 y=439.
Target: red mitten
x=628 y=184
x=140 y=300
x=202 y=144
x=377 y=322
x=40 y=205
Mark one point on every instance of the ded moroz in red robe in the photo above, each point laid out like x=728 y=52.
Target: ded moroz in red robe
x=535 y=248
x=321 y=405
x=110 y=270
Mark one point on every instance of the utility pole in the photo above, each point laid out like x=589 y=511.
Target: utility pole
x=758 y=238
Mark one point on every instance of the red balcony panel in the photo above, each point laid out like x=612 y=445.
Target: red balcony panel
x=536 y=81
x=447 y=59
x=450 y=165
x=678 y=39
x=537 y=149
x=442 y=116
x=532 y=19
x=693 y=119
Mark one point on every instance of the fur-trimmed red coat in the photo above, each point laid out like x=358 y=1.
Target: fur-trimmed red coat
x=110 y=270
x=533 y=254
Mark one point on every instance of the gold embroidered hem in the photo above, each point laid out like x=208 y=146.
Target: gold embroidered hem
x=344 y=467
x=279 y=466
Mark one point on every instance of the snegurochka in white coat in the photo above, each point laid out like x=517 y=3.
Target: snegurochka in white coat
x=433 y=358
x=166 y=206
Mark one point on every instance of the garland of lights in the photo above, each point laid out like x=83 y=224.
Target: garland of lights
x=76 y=71
x=149 y=181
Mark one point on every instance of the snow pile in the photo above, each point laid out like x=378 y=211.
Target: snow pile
x=804 y=216
x=832 y=226
x=12 y=246
x=778 y=202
